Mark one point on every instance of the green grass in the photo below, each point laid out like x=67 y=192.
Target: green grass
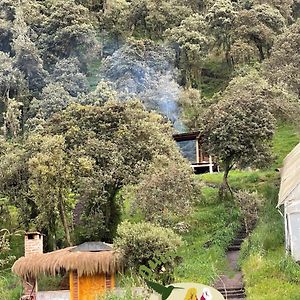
x=285 y=139
x=213 y=226
x=10 y=286
x=268 y=272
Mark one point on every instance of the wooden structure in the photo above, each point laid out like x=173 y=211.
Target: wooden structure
x=191 y=148
x=91 y=267
x=289 y=200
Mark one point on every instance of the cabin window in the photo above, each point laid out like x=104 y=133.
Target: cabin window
x=188 y=150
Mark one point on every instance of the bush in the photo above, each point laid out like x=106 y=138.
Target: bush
x=166 y=192
x=249 y=204
x=150 y=246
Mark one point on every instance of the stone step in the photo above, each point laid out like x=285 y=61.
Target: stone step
x=234 y=248
x=233 y=293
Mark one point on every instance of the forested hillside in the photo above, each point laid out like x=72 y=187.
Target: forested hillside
x=91 y=92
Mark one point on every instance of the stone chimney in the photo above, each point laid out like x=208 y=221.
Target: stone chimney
x=33 y=243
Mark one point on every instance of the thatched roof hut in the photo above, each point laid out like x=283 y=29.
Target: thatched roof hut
x=86 y=262
x=91 y=266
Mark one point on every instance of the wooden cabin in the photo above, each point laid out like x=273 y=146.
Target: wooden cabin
x=91 y=268
x=191 y=148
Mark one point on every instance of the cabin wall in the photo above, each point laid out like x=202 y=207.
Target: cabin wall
x=89 y=287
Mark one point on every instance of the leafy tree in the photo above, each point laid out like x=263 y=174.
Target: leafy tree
x=7 y=8
x=284 y=63
x=192 y=43
x=193 y=106
x=50 y=181
x=114 y=142
x=53 y=98
x=67 y=73
x=166 y=192
x=103 y=93
x=27 y=56
x=259 y=25
x=164 y=15
x=238 y=130
x=64 y=30
x=221 y=19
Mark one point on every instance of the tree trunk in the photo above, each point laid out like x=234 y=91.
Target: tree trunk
x=63 y=217
x=224 y=188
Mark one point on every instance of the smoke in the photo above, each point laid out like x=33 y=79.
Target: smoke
x=146 y=71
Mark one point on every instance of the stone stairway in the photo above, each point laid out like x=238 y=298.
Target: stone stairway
x=232 y=287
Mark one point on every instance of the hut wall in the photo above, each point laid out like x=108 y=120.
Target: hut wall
x=89 y=287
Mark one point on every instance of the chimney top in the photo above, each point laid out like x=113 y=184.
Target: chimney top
x=33 y=243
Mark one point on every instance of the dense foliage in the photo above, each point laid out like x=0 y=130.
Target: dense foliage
x=92 y=91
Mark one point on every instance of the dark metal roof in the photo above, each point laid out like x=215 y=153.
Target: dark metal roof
x=92 y=247
x=186 y=136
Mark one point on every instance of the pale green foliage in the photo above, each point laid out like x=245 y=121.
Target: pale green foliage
x=284 y=63
x=142 y=242
x=53 y=98
x=221 y=17
x=64 y=30
x=249 y=204
x=193 y=41
x=239 y=128
x=259 y=25
x=50 y=180
x=12 y=118
x=67 y=73
x=165 y=14
x=113 y=144
x=12 y=83
x=166 y=192
x=282 y=104
x=103 y=93
x=193 y=107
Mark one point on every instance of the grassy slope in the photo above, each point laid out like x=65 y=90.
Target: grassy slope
x=213 y=225
x=268 y=274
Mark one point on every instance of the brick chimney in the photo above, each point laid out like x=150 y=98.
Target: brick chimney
x=33 y=243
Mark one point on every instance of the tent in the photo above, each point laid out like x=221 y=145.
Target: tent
x=289 y=198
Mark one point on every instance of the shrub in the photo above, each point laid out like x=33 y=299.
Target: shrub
x=150 y=246
x=249 y=204
x=166 y=192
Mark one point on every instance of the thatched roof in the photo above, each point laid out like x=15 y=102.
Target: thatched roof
x=85 y=263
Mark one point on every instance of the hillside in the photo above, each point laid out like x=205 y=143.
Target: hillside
x=91 y=95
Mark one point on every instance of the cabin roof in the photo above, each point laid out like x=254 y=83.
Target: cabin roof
x=92 y=247
x=85 y=262
x=187 y=136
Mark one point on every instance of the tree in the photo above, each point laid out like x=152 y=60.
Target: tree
x=192 y=43
x=67 y=73
x=166 y=192
x=221 y=18
x=64 y=30
x=284 y=63
x=164 y=15
x=193 y=106
x=113 y=143
x=50 y=181
x=53 y=98
x=27 y=56
x=259 y=25
x=238 y=130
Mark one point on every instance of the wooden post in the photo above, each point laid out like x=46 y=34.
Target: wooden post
x=210 y=165
x=197 y=151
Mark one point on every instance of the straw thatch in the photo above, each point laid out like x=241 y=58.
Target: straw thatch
x=85 y=263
